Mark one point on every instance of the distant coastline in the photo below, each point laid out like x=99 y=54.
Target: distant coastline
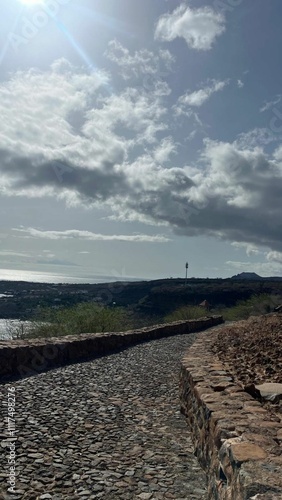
x=44 y=277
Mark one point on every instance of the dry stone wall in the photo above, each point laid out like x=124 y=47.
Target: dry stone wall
x=236 y=440
x=21 y=358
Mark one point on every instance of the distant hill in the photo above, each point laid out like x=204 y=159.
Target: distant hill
x=254 y=277
x=247 y=276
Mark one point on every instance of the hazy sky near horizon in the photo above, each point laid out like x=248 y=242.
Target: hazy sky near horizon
x=136 y=136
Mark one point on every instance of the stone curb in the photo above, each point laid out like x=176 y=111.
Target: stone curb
x=22 y=358
x=236 y=440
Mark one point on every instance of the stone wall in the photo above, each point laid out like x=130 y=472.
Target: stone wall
x=236 y=440
x=21 y=358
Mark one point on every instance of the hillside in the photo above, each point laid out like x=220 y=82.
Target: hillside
x=147 y=298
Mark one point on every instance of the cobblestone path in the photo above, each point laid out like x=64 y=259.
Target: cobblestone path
x=109 y=428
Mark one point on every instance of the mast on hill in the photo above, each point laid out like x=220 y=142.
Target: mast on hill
x=186 y=267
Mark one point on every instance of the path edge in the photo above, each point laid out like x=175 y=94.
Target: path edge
x=234 y=440
x=24 y=358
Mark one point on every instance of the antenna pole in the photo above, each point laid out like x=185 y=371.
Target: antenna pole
x=186 y=267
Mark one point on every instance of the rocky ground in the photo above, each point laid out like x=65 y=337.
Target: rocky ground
x=252 y=351
x=109 y=429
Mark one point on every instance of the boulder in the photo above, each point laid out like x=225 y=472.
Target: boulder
x=270 y=391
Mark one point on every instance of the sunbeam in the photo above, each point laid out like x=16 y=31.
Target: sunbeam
x=3 y=52
x=75 y=45
x=84 y=56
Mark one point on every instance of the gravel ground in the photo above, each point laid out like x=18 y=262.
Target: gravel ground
x=110 y=429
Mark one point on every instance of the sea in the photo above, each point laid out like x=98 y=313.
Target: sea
x=7 y=324
x=44 y=277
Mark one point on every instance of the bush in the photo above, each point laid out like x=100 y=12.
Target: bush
x=17 y=330
x=82 y=318
x=186 y=312
x=254 y=306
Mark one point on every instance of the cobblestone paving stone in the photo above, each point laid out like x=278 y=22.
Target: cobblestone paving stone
x=109 y=428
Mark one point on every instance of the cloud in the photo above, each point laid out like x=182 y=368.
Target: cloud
x=164 y=150
x=261 y=268
x=34 y=258
x=89 y=236
x=83 y=135
x=250 y=249
x=240 y=84
x=258 y=137
x=142 y=62
x=239 y=195
x=198 y=97
x=55 y=262
x=107 y=150
x=274 y=257
x=199 y=27
x=11 y=253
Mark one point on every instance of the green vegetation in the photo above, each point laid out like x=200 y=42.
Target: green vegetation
x=82 y=318
x=254 y=306
x=186 y=312
x=90 y=317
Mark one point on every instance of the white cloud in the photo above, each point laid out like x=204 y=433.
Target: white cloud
x=198 y=97
x=83 y=135
x=274 y=257
x=90 y=236
x=240 y=84
x=199 y=27
x=142 y=62
x=258 y=137
x=250 y=249
x=133 y=110
x=164 y=150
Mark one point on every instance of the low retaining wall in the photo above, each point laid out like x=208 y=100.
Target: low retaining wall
x=237 y=442
x=21 y=358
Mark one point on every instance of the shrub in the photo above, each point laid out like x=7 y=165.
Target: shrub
x=186 y=312
x=254 y=306
x=81 y=318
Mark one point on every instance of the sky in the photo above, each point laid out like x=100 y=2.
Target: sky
x=138 y=136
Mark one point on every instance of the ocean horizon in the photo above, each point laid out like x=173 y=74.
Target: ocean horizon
x=45 y=277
